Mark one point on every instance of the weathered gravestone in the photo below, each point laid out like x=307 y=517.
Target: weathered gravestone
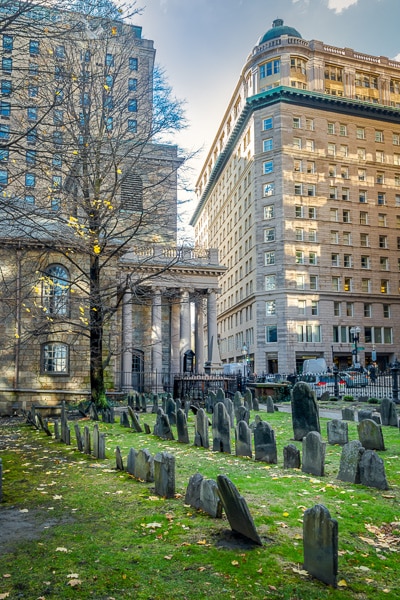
x=107 y=415
x=147 y=428
x=320 y=544
x=372 y=471
x=348 y=414
x=370 y=435
x=364 y=414
x=124 y=419
x=338 y=432
x=265 y=443
x=220 y=396
x=256 y=404
x=131 y=398
x=87 y=442
x=57 y=433
x=389 y=413
x=237 y=399
x=143 y=403
x=119 y=464
x=130 y=463
x=44 y=425
x=1 y=480
x=248 y=399
x=203 y=494
x=164 y=474
x=181 y=427
x=170 y=411
x=230 y=409
x=243 y=439
x=236 y=510
x=221 y=429
x=201 y=429
x=154 y=408
x=270 y=405
x=313 y=460
x=162 y=427
x=78 y=437
x=135 y=420
x=291 y=457
x=144 y=466
x=349 y=469
x=242 y=414
x=99 y=443
x=305 y=417
x=257 y=420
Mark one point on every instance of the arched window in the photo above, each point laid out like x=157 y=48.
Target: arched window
x=56 y=290
x=132 y=193
x=55 y=358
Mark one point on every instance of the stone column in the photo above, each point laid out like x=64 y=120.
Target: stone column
x=126 y=364
x=156 y=337
x=176 y=366
x=199 y=334
x=213 y=358
x=184 y=325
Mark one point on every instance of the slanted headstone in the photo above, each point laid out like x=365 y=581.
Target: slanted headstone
x=320 y=544
x=389 y=413
x=202 y=494
x=291 y=457
x=221 y=429
x=372 y=471
x=147 y=428
x=130 y=464
x=162 y=427
x=201 y=429
x=135 y=420
x=270 y=405
x=364 y=414
x=305 y=417
x=144 y=466
x=118 y=459
x=181 y=427
x=164 y=474
x=43 y=425
x=124 y=419
x=349 y=469
x=236 y=510
x=265 y=443
x=242 y=414
x=137 y=403
x=78 y=437
x=87 y=442
x=348 y=414
x=313 y=459
x=243 y=439
x=370 y=435
x=338 y=432
x=170 y=411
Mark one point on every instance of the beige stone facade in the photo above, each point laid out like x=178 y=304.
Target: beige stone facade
x=300 y=193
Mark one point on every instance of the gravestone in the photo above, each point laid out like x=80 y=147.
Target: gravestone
x=257 y=420
x=137 y=403
x=93 y=413
x=256 y=404
x=270 y=405
x=118 y=459
x=248 y=399
x=364 y=414
x=143 y=403
x=78 y=437
x=87 y=442
x=181 y=427
x=144 y=466
x=305 y=417
x=135 y=420
x=320 y=544
x=372 y=471
x=212 y=399
x=291 y=457
x=102 y=446
x=57 y=433
x=265 y=443
x=370 y=435
x=338 y=432
x=242 y=414
x=202 y=494
x=44 y=425
x=154 y=408
x=348 y=414
x=192 y=496
x=349 y=469
x=130 y=464
x=237 y=399
x=220 y=396
x=376 y=417
x=146 y=428
x=131 y=397
x=164 y=474
x=236 y=510
x=124 y=419
x=1 y=480
x=170 y=411
x=243 y=440
x=221 y=429
x=95 y=435
x=201 y=429
x=389 y=413
x=313 y=459
x=230 y=409
x=162 y=427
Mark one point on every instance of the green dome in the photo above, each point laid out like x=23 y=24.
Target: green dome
x=278 y=29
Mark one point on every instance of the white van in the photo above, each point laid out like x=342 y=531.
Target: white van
x=315 y=365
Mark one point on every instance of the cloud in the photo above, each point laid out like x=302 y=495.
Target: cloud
x=340 y=5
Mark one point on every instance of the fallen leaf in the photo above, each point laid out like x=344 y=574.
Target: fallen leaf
x=60 y=549
x=342 y=583
x=235 y=563
x=201 y=542
x=169 y=557
x=73 y=576
x=153 y=525
x=74 y=582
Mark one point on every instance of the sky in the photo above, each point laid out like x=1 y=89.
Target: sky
x=203 y=44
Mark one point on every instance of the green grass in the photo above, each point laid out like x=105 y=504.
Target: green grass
x=109 y=536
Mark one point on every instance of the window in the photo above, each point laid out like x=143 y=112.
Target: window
x=310 y=189
x=297 y=165
x=6 y=87
x=55 y=290
x=386 y=311
x=6 y=64
x=133 y=64
x=379 y=136
x=301 y=307
x=335 y=260
x=313 y=282
x=4 y=154
x=268 y=123
x=5 y=108
x=310 y=124
x=298 y=189
x=132 y=105
x=310 y=145
x=312 y=212
x=132 y=125
x=333 y=193
x=365 y=262
x=334 y=214
x=108 y=121
x=55 y=204
x=269 y=234
x=299 y=234
x=344 y=150
x=335 y=284
x=366 y=285
x=312 y=258
x=384 y=286
x=382 y=220
x=342 y=129
x=380 y=177
x=3 y=178
x=31 y=136
x=314 y=308
x=29 y=199
x=55 y=358
x=384 y=263
x=348 y=284
x=361 y=154
x=299 y=211
x=312 y=235
x=32 y=113
x=8 y=43
x=396 y=139
x=56 y=182
x=270 y=282
x=363 y=218
x=269 y=189
x=396 y=159
x=300 y=282
x=362 y=196
x=297 y=143
x=334 y=237
x=349 y=309
x=58 y=116
x=268 y=145
x=380 y=156
x=132 y=84
x=331 y=128
x=397 y=200
x=331 y=149
x=346 y=194
x=347 y=261
x=271 y=333
x=33 y=69
x=270 y=308
x=310 y=166
x=269 y=211
x=269 y=258
x=337 y=309
x=30 y=157
x=34 y=47
x=299 y=257
x=30 y=180
x=346 y=216
x=296 y=123
x=57 y=138
x=360 y=133
x=368 y=311
x=33 y=91
x=270 y=68
x=332 y=170
x=109 y=60
x=268 y=167
x=383 y=241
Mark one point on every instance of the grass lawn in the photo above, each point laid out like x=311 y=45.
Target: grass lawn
x=73 y=527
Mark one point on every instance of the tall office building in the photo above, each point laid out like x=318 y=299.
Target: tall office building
x=300 y=192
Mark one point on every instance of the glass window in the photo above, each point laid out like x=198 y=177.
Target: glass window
x=314 y=308
x=313 y=282
x=132 y=105
x=60 y=52
x=8 y=43
x=386 y=311
x=109 y=60
x=55 y=290
x=6 y=87
x=55 y=204
x=337 y=309
x=30 y=157
x=32 y=113
x=56 y=182
x=5 y=108
x=270 y=307
x=269 y=258
x=269 y=211
x=269 y=234
x=268 y=123
x=4 y=154
x=34 y=47
x=132 y=125
x=33 y=91
x=55 y=358
x=360 y=133
x=132 y=84
x=268 y=145
x=312 y=212
x=133 y=64
x=30 y=179
x=6 y=64
x=331 y=127
x=269 y=189
x=270 y=282
x=3 y=177
x=296 y=123
x=368 y=310
x=271 y=333
x=29 y=199
x=312 y=258
x=268 y=167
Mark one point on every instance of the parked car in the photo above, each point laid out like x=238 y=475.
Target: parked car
x=323 y=382
x=354 y=379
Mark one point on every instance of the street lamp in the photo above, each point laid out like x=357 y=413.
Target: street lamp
x=244 y=354
x=355 y=333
